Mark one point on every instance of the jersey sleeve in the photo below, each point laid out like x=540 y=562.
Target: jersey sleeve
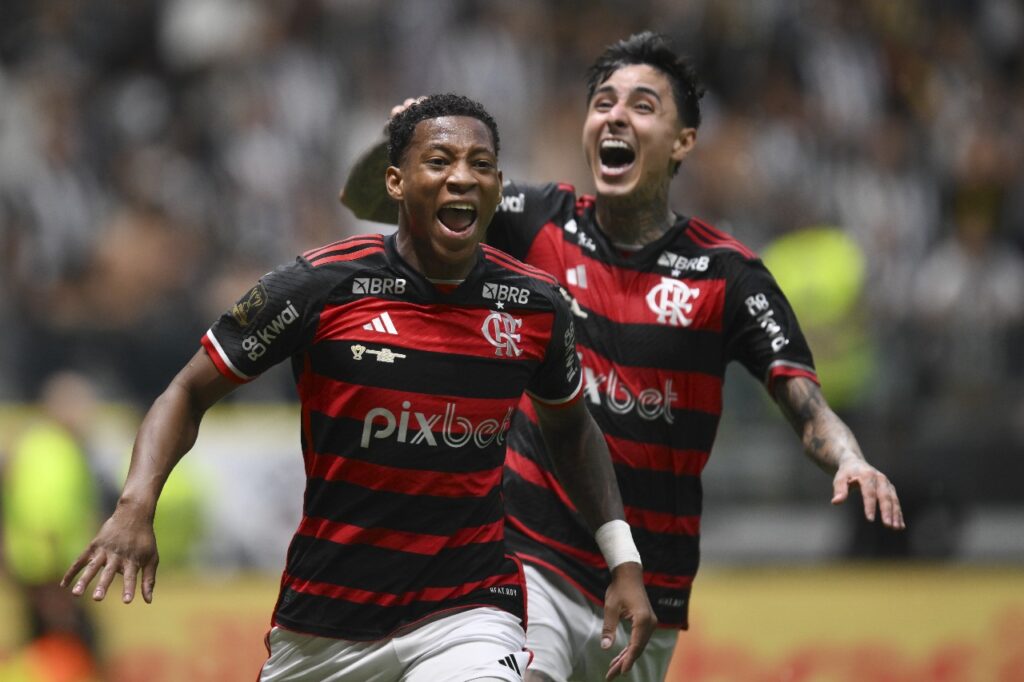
x=524 y=211
x=272 y=321
x=558 y=380
x=762 y=331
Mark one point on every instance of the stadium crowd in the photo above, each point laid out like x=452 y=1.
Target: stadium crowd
x=158 y=156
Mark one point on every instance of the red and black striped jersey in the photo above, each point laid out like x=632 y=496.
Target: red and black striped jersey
x=407 y=392
x=661 y=325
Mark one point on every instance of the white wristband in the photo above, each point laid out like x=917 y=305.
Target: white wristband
x=616 y=543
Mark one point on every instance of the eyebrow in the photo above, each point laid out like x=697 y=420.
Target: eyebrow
x=450 y=148
x=645 y=89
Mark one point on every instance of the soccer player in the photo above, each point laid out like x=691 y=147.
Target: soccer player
x=410 y=354
x=664 y=303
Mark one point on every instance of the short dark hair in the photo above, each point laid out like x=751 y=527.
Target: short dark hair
x=653 y=49
x=402 y=126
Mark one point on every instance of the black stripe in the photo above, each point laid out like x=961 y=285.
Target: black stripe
x=422 y=371
x=359 y=506
x=679 y=349
x=513 y=664
x=378 y=569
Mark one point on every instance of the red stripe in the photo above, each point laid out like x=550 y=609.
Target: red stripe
x=660 y=522
x=350 y=242
x=219 y=362
x=418 y=327
x=405 y=481
x=353 y=255
x=429 y=594
x=784 y=371
x=636 y=455
x=592 y=559
x=566 y=187
x=389 y=538
x=529 y=471
x=620 y=295
x=675 y=582
x=718 y=238
x=537 y=561
x=503 y=259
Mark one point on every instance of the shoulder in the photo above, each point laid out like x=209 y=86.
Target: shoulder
x=707 y=237
x=351 y=249
x=501 y=262
x=533 y=198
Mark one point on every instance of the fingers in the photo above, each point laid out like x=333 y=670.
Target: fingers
x=611 y=624
x=840 y=490
x=131 y=570
x=399 y=108
x=149 y=580
x=618 y=664
x=93 y=566
x=79 y=564
x=878 y=495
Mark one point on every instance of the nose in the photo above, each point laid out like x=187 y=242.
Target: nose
x=616 y=116
x=460 y=179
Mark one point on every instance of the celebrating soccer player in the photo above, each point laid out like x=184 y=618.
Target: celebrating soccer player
x=410 y=354
x=664 y=303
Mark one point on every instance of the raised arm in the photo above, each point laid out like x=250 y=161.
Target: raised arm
x=581 y=461
x=364 y=192
x=831 y=445
x=126 y=543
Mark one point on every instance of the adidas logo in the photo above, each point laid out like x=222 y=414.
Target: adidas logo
x=510 y=662
x=382 y=323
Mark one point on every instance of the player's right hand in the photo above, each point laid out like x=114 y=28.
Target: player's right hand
x=125 y=544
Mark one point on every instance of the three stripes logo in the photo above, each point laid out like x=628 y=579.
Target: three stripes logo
x=577 y=276
x=382 y=323
x=510 y=662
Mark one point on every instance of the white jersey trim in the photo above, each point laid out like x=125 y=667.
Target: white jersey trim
x=224 y=356
x=561 y=401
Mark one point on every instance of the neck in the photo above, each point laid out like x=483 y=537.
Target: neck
x=634 y=219
x=421 y=257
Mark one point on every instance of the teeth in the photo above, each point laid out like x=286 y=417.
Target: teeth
x=462 y=206
x=614 y=144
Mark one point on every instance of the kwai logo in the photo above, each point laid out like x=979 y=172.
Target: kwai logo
x=456 y=432
x=255 y=347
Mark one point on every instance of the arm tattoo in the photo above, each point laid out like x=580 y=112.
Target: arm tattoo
x=825 y=437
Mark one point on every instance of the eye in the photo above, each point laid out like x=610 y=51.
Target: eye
x=483 y=164
x=437 y=162
x=645 y=107
x=602 y=105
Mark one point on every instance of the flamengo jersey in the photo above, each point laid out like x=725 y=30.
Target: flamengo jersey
x=407 y=395
x=661 y=325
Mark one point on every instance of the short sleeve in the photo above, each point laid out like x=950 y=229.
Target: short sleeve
x=272 y=321
x=559 y=379
x=523 y=213
x=762 y=331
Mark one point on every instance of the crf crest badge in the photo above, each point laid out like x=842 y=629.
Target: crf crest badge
x=672 y=302
x=502 y=331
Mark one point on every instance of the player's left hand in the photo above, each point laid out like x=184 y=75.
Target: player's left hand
x=626 y=598
x=876 y=490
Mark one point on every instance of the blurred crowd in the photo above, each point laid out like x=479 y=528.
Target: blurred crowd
x=158 y=156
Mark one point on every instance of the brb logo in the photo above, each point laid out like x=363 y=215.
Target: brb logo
x=672 y=301
x=456 y=432
x=502 y=331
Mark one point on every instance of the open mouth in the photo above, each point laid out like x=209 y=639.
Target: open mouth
x=616 y=155
x=457 y=217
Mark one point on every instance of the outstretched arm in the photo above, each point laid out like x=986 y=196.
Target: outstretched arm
x=126 y=543
x=831 y=445
x=584 y=468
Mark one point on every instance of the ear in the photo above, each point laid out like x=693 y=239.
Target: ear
x=683 y=143
x=393 y=183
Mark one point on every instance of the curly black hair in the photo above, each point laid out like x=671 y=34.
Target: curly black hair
x=402 y=125
x=653 y=49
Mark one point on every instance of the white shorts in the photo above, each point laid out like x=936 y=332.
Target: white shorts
x=564 y=633
x=478 y=644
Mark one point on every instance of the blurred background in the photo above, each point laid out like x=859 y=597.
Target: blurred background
x=158 y=156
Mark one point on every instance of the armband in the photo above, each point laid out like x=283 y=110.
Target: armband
x=616 y=543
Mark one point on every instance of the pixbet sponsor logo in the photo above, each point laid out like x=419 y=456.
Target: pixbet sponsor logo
x=456 y=432
x=649 y=403
x=256 y=345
